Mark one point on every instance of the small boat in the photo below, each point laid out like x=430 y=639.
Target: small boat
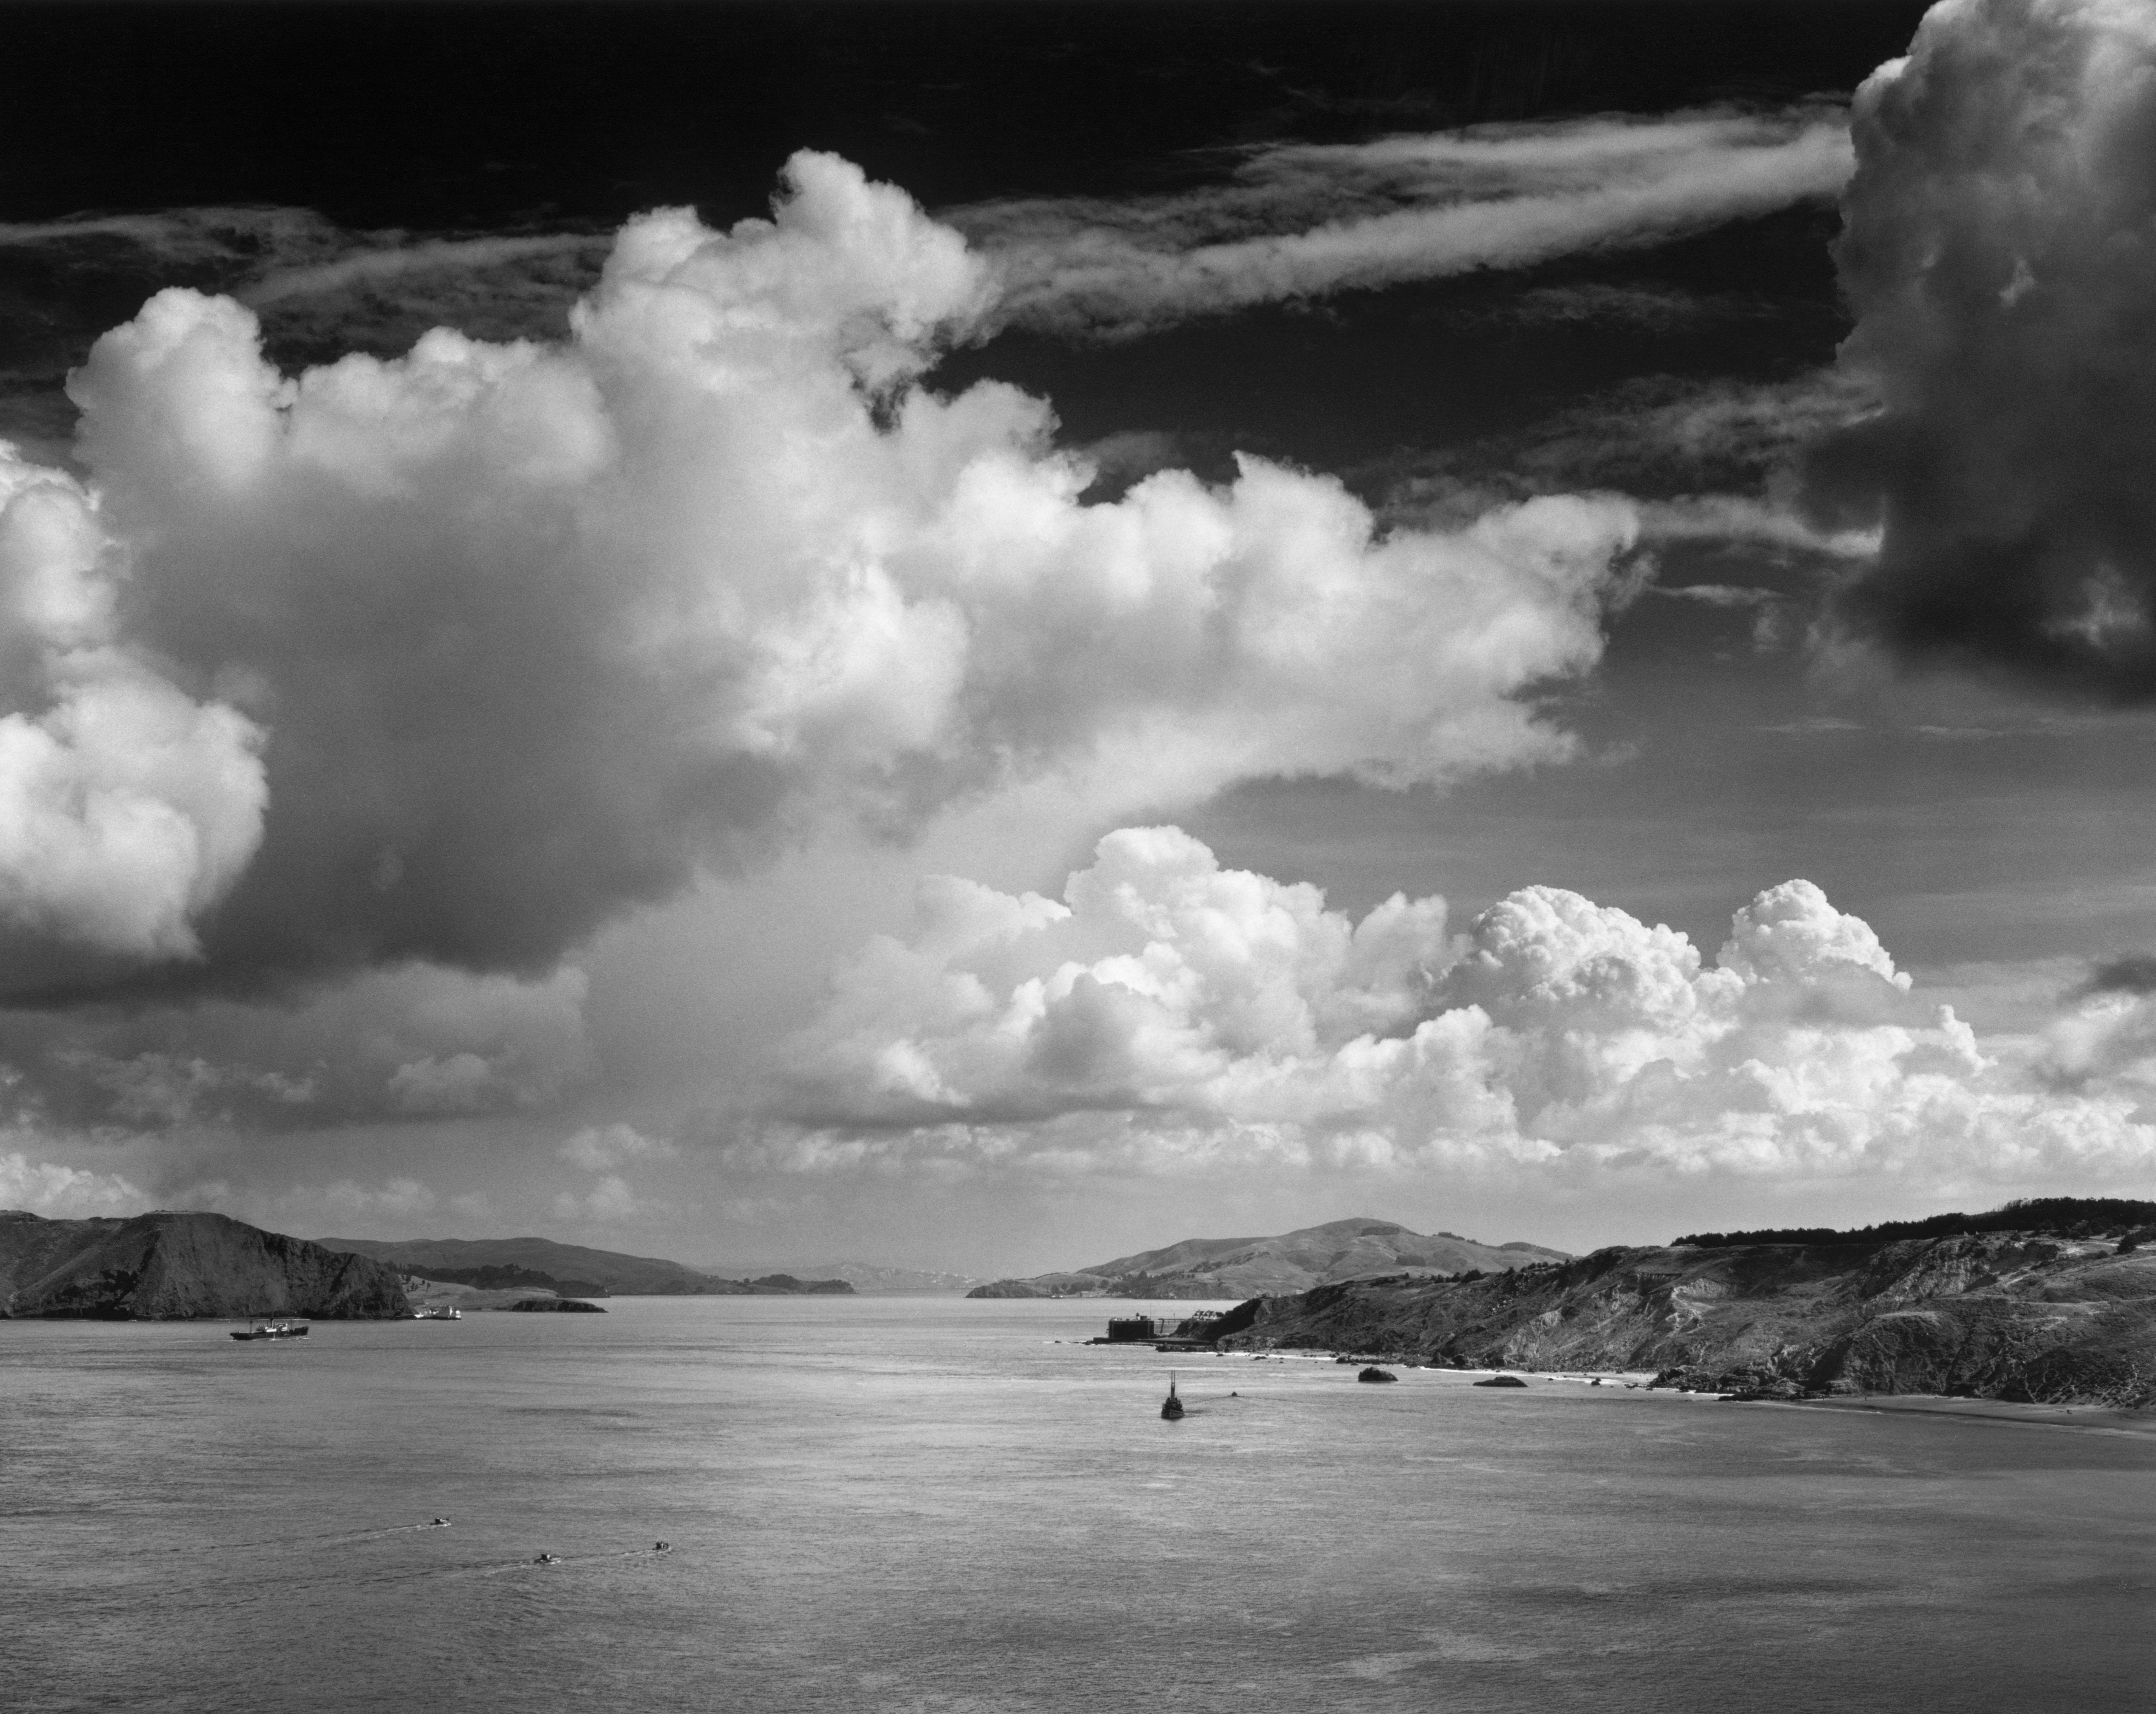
x=445 y=1313
x=273 y=1329
x=1172 y=1409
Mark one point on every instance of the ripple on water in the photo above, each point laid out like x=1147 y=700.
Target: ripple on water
x=930 y=1503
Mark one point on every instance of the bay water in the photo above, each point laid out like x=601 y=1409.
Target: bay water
x=953 y=1506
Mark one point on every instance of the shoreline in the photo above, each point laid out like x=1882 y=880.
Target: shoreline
x=2087 y=1418
x=2100 y=1418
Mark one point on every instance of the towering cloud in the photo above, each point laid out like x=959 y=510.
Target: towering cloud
x=1169 y=1014
x=2000 y=253
x=127 y=806
x=528 y=632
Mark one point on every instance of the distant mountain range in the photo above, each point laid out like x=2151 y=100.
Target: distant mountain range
x=570 y=1268
x=1294 y=1261
x=868 y=1279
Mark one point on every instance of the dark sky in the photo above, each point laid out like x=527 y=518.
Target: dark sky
x=454 y=117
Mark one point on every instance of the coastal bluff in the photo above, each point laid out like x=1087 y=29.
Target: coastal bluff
x=171 y=1266
x=1292 y=1261
x=2062 y=1312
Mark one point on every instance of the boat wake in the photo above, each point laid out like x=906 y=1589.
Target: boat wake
x=556 y=1562
x=321 y=1538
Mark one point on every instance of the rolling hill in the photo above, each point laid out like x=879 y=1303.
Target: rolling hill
x=1293 y=1261
x=568 y=1268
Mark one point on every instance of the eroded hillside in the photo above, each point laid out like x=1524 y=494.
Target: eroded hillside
x=2010 y=1316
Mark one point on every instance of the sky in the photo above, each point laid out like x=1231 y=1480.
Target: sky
x=983 y=636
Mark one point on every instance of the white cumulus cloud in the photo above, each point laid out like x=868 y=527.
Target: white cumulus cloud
x=538 y=630
x=603 y=1148
x=609 y=1200
x=1169 y=1015
x=398 y=1197
x=61 y=1192
x=128 y=809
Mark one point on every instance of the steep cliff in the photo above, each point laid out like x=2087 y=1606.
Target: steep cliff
x=1998 y=1314
x=169 y=1267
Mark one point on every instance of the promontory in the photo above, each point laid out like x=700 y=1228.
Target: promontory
x=167 y=1266
x=2042 y=1302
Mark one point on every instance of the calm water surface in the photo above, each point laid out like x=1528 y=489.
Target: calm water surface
x=894 y=1504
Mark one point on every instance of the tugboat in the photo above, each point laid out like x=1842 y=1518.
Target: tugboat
x=1172 y=1409
x=273 y=1329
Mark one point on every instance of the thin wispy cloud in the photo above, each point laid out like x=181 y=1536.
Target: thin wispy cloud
x=319 y=287
x=1741 y=519
x=1714 y=594
x=238 y=236
x=1716 y=460
x=1297 y=222
x=60 y=1192
x=380 y=262
x=1657 y=309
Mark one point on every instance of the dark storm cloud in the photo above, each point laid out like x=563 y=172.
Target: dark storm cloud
x=412 y=1043
x=2129 y=973
x=1999 y=251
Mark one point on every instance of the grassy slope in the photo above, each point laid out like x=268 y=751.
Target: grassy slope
x=168 y=1266
x=1292 y=1261
x=1996 y=1315
x=564 y=1261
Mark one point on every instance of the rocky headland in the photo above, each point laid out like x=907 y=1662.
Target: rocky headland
x=2064 y=1313
x=171 y=1266
x=1293 y=1261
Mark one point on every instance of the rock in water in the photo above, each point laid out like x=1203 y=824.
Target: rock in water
x=534 y=1306
x=1502 y=1381
x=1375 y=1373
x=172 y=1266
